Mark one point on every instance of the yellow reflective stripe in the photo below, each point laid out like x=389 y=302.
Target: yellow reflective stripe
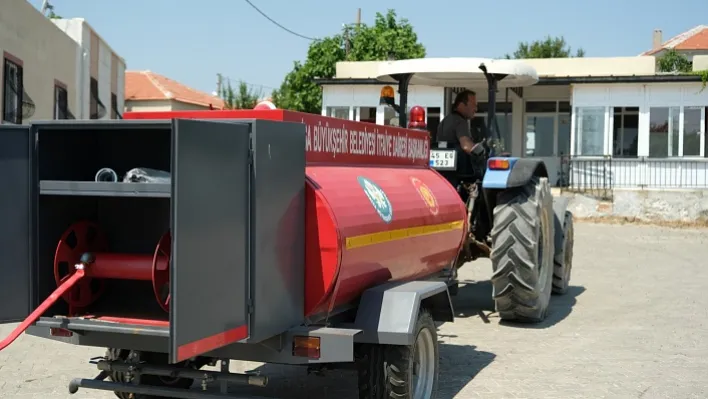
x=400 y=234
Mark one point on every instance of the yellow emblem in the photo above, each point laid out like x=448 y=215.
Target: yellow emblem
x=426 y=195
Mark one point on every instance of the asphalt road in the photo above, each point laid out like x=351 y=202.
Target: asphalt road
x=634 y=325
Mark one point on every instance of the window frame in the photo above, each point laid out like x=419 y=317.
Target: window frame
x=576 y=130
x=10 y=60
x=622 y=114
x=681 y=131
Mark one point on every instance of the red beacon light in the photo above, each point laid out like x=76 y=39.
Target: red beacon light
x=264 y=105
x=417 y=118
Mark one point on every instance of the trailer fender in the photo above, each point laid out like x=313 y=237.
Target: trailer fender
x=520 y=171
x=387 y=314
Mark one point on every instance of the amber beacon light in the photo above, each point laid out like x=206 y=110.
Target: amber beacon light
x=387 y=96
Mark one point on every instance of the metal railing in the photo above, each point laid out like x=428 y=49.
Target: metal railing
x=598 y=176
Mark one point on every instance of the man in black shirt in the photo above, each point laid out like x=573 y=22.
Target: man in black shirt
x=455 y=129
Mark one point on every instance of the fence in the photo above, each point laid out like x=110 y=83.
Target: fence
x=599 y=176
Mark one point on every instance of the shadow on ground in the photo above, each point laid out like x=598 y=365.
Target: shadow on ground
x=474 y=299
x=459 y=364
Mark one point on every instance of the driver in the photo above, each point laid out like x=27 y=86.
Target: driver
x=455 y=128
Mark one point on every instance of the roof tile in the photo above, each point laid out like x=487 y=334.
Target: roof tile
x=694 y=39
x=147 y=85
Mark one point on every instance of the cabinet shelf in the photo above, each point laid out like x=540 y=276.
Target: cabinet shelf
x=104 y=189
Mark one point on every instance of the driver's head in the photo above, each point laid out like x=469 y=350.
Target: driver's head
x=466 y=103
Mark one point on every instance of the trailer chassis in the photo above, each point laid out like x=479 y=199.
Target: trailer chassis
x=385 y=315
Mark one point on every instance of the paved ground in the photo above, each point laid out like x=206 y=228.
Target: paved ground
x=634 y=325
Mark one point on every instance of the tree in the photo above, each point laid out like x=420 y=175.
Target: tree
x=547 y=48
x=244 y=98
x=387 y=37
x=673 y=61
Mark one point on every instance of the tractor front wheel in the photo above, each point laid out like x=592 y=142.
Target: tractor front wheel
x=523 y=251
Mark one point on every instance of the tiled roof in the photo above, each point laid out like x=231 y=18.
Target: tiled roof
x=694 y=39
x=147 y=85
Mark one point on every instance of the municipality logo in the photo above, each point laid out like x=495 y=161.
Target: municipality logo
x=378 y=198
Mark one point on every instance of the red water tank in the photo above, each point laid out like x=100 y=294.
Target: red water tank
x=369 y=225
x=375 y=211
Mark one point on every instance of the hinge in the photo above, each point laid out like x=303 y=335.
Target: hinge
x=250 y=307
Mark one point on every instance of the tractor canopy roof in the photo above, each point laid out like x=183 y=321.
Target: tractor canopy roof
x=459 y=72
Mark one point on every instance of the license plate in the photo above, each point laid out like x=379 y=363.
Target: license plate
x=443 y=159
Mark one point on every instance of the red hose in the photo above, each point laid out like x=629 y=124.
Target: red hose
x=63 y=287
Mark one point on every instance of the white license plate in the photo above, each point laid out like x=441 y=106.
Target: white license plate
x=443 y=159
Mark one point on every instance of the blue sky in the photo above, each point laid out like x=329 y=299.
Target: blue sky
x=192 y=41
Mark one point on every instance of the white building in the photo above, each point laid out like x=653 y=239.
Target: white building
x=100 y=72
x=621 y=122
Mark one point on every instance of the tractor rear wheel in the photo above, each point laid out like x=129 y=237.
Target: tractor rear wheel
x=522 y=251
x=398 y=371
x=563 y=260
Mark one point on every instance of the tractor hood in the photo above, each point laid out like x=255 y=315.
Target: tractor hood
x=459 y=72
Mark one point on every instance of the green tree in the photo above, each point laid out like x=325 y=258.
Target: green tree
x=389 y=36
x=550 y=47
x=243 y=98
x=673 y=61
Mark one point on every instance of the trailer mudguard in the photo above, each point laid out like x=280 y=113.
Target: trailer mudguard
x=519 y=173
x=387 y=314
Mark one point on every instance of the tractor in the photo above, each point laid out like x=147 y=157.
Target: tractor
x=512 y=217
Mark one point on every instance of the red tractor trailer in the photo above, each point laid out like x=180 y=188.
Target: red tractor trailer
x=185 y=239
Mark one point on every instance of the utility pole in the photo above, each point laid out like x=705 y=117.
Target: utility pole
x=347 y=45
x=346 y=40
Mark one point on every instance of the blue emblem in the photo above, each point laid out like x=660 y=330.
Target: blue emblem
x=378 y=198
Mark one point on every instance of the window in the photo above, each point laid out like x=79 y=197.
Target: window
x=93 y=106
x=367 y=114
x=664 y=132
x=390 y=116
x=12 y=90
x=564 y=132
x=61 y=101
x=692 y=132
x=433 y=120
x=589 y=131
x=705 y=130
x=539 y=135
x=338 y=112
x=541 y=106
x=625 y=131
x=503 y=116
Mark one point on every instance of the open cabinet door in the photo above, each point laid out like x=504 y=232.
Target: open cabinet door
x=210 y=236
x=16 y=205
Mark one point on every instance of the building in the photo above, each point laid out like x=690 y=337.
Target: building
x=39 y=79
x=100 y=72
x=622 y=123
x=149 y=91
x=689 y=43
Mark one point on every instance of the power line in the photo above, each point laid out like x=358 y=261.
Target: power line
x=223 y=79
x=278 y=24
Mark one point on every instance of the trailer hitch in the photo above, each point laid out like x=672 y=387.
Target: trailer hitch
x=65 y=286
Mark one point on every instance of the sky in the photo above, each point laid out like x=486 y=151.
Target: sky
x=192 y=41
